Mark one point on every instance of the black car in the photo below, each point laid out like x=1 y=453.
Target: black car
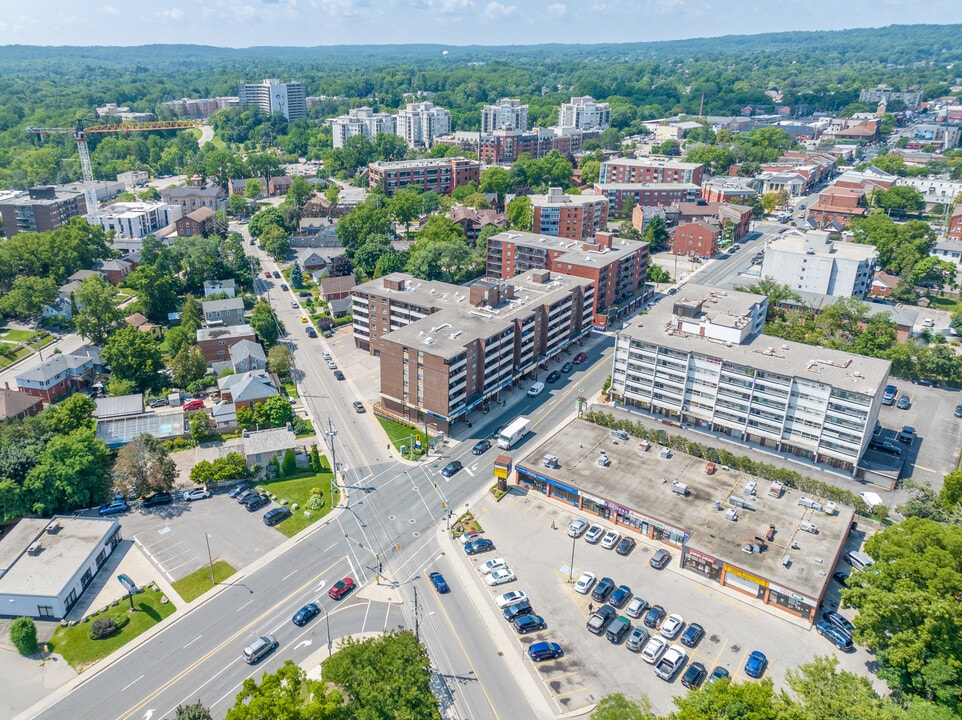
x=519 y=609
x=693 y=633
x=841 y=578
x=304 y=293
x=567 y=367
x=528 y=623
x=694 y=675
x=481 y=447
x=907 y=434
x=478 y=546
x=311 y=332
x=256 y=502
x=277 y=515
x=451 y=468
x=620 y=597
x=625 y=546
x=244 y=495
x=238 y=489
x=603 y=589
x=958 y=411
x=553 y=376
x=656 y=613
x=839 y=621
x=158 y=498
x=306 y=614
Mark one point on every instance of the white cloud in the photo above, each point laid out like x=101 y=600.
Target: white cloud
x=450 y=6
x=557 y=9
x=495 y=10
x=111 y=10
x=172 y=13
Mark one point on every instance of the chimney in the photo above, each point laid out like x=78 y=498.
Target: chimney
x=604 y=239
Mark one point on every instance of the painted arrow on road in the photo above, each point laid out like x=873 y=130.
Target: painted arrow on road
x=148 y=714
x=302 y=643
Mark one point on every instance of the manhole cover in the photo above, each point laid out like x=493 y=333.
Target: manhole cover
x=416 y=534
x=391 y=517
x=412 y=521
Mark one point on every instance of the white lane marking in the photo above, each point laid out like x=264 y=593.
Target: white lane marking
x=194 y=640
x=131 y=683
x=292 y=572
x=244 y=606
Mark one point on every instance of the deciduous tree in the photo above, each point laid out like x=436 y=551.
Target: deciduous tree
x=143 y=467
x=265 y=323
x=134 y=356
x=97 y=313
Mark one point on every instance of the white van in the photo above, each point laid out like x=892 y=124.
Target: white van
x=858 y=560
x=535 y=389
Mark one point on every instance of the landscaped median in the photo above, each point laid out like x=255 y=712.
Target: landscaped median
x=297 y=489
x=75 y=644
x=405 y=436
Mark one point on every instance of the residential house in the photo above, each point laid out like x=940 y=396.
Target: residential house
x=696 y=239
x=216 y=342
x=246 y=356
x=218 y=313
x=140 y=321
x=278 y=185
x=61 y=374
x=473 y=221
x=950 y=250
x=198 y=222
x=736 y=217
x=883 y=283
x=114 y=271
x=220 y=287
x=839 y=205
x=224 y=415
x=237 y=186
x=954 y=230
x=246 y=389
x=316 y=232
x=773 y=182
x=262 y=445
x=728 y=189
x=18 y=405
x=310 y=260
x=337 y=288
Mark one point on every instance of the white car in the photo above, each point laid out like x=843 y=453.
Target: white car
x=670 y=662
x=294 y=304
x=326 y=355
x=636 y=607
x=672 y=626
x=585 y=582
x=654 y=650
x=594 y=534
x=500 y=577
x=196 y=494
x=492 y=565
x=611 y=539
x=928 y=322
x=332 y=365
x=510 y=598
x=576 y=528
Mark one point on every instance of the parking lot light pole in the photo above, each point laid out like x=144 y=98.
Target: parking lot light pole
x=210 y=558
x=571 y=566
x=327 y=619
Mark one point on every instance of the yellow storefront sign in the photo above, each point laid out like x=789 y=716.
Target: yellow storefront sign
x=748 y=576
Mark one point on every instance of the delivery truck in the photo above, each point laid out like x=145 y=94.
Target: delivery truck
x=513 y=433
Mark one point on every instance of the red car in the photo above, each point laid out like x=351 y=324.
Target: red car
x=340 y=588
x=267 y=275
x=193 y=405
x=580 y=359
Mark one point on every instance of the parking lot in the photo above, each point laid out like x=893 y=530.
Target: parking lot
x=935 y=452
x=591 y=667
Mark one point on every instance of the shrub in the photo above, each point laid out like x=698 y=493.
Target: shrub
x=290 y=463
x=23 y=635
x=315 y=491
x=315 y=501
x=102 y=628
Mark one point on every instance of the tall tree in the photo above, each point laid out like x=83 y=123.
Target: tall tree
x=280 y=360
x=76 y=411
x=188 y=365
x=265 y=323
x=97 y=313
x=134 y=356
x=297 y=276
x=28 y=296
x=287 y=695
x=191 y=316
x=71 y=474
x=299 y=191
x=143 y=467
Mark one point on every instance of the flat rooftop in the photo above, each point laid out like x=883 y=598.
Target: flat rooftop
x=426 y=162
x=641 y=481
x=420 y=293
x=857 y=373
x=61 y=553
x=796 y=243
x=573 y=250
x=562 y=199
x=655 y=162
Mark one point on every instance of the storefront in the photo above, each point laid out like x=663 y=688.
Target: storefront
x=792 y=602
x=702 y=564
x=744 y=582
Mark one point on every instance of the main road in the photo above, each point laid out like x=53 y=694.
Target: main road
x=386 y=536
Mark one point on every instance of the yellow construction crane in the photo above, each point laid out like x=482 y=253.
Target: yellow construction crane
x=80 y=135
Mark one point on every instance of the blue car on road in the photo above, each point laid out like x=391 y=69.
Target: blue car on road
x=439 y=584
x=114 y=507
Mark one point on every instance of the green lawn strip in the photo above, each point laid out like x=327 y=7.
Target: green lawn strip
x=290 y=389
x=198 y=582
x=403 y=435
x=942 y=303
x=21 y=353
x=19 y=336
x=308 y=430
x=80 y=651
x=296 y=490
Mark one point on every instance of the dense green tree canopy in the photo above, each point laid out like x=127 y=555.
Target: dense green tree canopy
x=134 y=356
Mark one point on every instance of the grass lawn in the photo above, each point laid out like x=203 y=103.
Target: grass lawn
x=198 y=582
x=296 y=490
x=18 y=336
x=308 y=430
x=403 y=435
x=21 y=353
x=290 y=389
x=943 y=303
x=80 y=651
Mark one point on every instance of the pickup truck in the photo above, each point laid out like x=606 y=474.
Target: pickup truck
x=599 y=620
x=670 y=663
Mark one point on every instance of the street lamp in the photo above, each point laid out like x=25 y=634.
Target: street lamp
x=327 y=621
x=210 y=559
x=330 y=435
x=571 y=565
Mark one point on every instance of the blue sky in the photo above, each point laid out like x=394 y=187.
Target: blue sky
x=243 y=23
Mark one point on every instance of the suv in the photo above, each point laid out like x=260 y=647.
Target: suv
x=603 y=589
x=256 y=502
x=519 y=609
x=264 y=645
x=544 y=651
x=158 y=498
x=660 y=559
x=277 y=515
x=594 y=534
x=670 y=663
x=907 y=435
x=617 y=630
x=598 y=622
x=888 y=398
x=636 y=641
x=577 y=528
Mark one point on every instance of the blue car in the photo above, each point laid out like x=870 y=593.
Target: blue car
x=756 y=664
x=439 y=584
x=306 y=614
x=114 y=507
x=544 y=651
x=837 y=637
x=477 y=546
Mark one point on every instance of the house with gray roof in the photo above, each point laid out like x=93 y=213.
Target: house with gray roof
x=223 y=313
x=60 y=374
x=226 y=287
x=247 y=389
x=246 y=356
x=262 y=445
x=15 y=404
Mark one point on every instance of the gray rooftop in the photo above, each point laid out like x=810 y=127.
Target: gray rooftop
x=246 y=349
x=52 y=367
x=276 y=440
x=574 y=254
x=47 y=572
x=421 y=293
x=641 y=481
x=119 y=406
x=690 y=187
x=234 y=303
x=217 y=333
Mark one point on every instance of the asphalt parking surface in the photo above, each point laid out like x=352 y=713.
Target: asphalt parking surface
x=591 y=667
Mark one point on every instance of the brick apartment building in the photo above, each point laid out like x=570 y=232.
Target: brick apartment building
x=838 y=205
x=505 y=145
x=646 y=194
x=476 y=341
x=216 y=342
x=728 y=189
x=696 y=239
x=650 y=170
x=569 y=216
x=40 y=209
x=197 y=222
x=954 y=230
x=440 y=175
x=616 y=267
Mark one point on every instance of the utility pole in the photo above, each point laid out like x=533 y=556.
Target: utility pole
x=417 y=624
x=331 y=434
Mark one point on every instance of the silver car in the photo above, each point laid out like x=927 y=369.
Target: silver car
x=637 y=639
x=577 y=528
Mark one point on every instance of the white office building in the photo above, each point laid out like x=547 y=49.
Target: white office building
x=419 y=123
x=360 y=121
x=508 y=114
x=701 y=360
x=271 y=95
x=584 y=113
x=131 y=222
x=813 y=262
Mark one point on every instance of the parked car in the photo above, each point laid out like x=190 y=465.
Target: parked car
x=260 y=648
x=840 y=577
x=528 y=623
x=888 y=397
x=284 y=287
x=553 y=377
x=544 y=651
x=694 y=676
x=157 y=498
x=469 y=536
x=610 y=539
x=194 y=404
x=839 y=621
x=907 y=434
x=481 y=447
x=625 y=546
x=437 y=579
x=837 y=637
x=660 y=559
x=306 y=614
x=654 y=649
x=756 y=664
x=594 y=534
x=600 y=618
x=197 y=494
x=578 y=526
x=904 y=403
x=276 y=274
x=338 y=375
x=692 y=635
x=719 y=673
x=238 y=489
x=492 y=565
x=277 y=515
x=516 y=610
x=585 y=582
x=500 y=577
x=510 y=598
x=478 y=546
x=256 y=502
x=958 y=411
x=637 y=639
x=670 y=663
x=159 y=402
x=294 y=304
x=618 y=629
x=636 y=607
x=567 y=367
x=672 y=626
x=244 y=495
x=654 y=616
x=451 y=468
x=114 y=507
x=580 y=359
x=886 y=446
x=620 y=596
x=341 y=588
x=603 y=589
x=331 y=365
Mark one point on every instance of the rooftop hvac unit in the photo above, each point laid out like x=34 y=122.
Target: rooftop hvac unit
x=679 y=488
x=809 y=527
x=35 y=549
x=776 y=490
x=716 y=504
x=738 y=502
x=810 y=503
x=750 y=487
x=730 y=514
x=831 y=508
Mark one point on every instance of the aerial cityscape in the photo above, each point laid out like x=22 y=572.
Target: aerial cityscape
x=548 y=368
